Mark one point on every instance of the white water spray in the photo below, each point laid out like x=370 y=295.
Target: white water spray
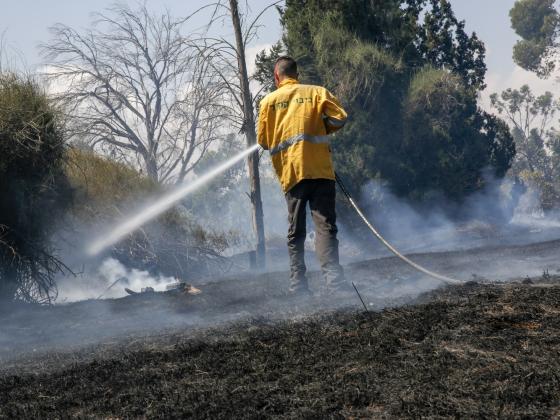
x=163 y=204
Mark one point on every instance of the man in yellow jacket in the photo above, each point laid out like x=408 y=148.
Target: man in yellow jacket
x=294 y=123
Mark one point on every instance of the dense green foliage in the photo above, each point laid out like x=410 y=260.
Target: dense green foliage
x=408 y=75
x=444 y=142
x=414 y=31
x=537 y=23
x=33 y=189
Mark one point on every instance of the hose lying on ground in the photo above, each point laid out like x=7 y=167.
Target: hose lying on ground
x=387 y=244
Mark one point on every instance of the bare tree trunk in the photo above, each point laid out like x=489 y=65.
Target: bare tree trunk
x=251 y=136
x=8 y=282
x=152 y=168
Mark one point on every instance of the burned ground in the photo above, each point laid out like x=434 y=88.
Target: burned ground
x=386 y=282
x=471 y=351
x=478 y=350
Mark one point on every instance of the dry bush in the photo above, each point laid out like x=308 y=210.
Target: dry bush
x=173 y=244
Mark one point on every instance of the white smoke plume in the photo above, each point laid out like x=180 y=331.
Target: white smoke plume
x=96 y=284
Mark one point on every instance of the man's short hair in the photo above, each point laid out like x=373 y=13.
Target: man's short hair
x=286 y=66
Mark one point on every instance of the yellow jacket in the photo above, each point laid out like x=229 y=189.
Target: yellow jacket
x=294 y=122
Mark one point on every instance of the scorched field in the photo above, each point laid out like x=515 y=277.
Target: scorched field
x=479 y=350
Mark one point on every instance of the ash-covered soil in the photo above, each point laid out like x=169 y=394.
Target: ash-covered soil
x=245 y=349
x=473 y=351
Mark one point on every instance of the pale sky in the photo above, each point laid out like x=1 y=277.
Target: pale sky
x=490 y=20
x=25 y=25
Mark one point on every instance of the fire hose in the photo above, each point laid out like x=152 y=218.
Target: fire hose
x=387 y=244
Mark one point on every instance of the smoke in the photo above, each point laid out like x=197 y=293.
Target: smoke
x=486 y=218
x=110 y=273
x=503 y=214
x=133 y=222
x=497 y=212
x=498 y=215
x=226 y=207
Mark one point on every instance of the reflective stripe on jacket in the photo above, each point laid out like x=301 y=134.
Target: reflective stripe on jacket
x=294 y=122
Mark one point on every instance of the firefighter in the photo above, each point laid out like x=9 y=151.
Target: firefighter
x=294 y=123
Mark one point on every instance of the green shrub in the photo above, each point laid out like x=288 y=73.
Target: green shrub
x=33 y=189
x=446 y=145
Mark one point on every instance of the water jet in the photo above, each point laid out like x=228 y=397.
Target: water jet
x=164 y=203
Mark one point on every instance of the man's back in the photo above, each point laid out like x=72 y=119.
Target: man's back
x=293 y=125
x=294 y=122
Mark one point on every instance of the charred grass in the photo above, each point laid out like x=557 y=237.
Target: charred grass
x=471 y=351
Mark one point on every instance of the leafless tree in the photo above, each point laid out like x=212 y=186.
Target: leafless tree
x=135 y=87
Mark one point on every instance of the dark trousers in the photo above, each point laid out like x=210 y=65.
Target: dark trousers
x=320 y=194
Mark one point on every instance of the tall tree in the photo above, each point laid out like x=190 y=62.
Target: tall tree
x=135 y=87
x=250 y=132
x=537 y=22
x=537 y=142
x=446 y=146
x=230 y=60
x=531 y=119
x=417 y=32
x=390 y=61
